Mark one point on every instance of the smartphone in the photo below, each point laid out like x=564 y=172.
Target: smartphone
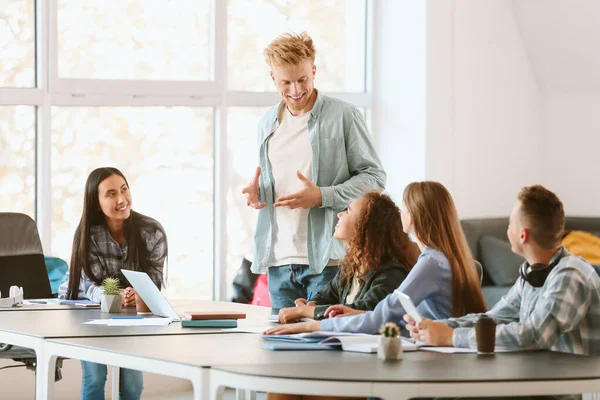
x=408 y=306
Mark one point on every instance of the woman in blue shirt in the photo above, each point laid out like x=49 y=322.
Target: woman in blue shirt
x=443 y=283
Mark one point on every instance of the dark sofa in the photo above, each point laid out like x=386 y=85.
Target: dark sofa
x=489 y=245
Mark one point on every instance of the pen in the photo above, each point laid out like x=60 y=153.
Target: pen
x=127 y=317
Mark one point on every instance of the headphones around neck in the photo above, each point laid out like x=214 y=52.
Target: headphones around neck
x=536 y=274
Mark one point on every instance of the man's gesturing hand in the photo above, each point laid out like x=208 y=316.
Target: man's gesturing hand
x=308 y=197
x=251 y=192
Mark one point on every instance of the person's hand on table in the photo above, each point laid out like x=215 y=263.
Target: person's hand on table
x=291 y=314
x=300 y=327
x=128 y=297
x=430 y=332
x=339 y=310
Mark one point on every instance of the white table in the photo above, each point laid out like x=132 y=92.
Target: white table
x=33 y=328
x=236 y=360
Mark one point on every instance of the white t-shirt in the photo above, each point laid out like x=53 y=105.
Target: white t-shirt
x=354 y=290
x=290 y=151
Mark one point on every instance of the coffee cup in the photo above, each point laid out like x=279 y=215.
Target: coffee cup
x=140 y=306
x=485 y=332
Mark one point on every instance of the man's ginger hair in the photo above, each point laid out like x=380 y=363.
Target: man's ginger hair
x=290 y=49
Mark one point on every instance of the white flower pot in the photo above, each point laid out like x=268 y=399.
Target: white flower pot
x=111 y=304
x=390 y=348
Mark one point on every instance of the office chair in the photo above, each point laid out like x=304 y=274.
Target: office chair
x=22 y=264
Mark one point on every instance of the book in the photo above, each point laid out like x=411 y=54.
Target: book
x=209 y=323
x=189 y=315
x=320 y=340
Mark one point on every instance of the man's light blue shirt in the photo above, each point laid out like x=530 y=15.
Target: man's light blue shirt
x=345 y=166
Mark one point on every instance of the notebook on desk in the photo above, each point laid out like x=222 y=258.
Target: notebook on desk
x=320 y=340
x=219 y=315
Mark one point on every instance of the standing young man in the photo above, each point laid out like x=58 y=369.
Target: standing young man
x=316 y=157
x=555 y=303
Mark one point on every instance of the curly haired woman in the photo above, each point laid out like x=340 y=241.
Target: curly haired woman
x=378 y=258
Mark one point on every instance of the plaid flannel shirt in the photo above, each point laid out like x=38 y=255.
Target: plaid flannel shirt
x=107 y=258
x=563 y=315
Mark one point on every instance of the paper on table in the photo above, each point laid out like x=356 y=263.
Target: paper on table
x=96 y=322
x=250 y=329
x=453 y=350
x=140 y=322
x=131 y=322
x=448 y=350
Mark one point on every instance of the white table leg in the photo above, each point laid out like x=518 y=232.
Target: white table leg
x=201 y=384
x=44 y=379
x=116 y=377
x=245 y=394
x=197 y=375
x=37 y=344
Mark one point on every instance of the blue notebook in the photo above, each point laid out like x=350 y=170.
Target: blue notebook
x=354 y=342
x=323 y=341
x=209 y=323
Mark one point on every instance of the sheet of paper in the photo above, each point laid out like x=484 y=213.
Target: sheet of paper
x=140 y=322
x=448 y=350
x=131 y=322
x=251 y=329
x=455 y=350
x=96 y=322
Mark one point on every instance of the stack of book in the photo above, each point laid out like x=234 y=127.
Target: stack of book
x=211 y=319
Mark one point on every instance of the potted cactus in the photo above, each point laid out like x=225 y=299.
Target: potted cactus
x=111 y=301
x=390 y=344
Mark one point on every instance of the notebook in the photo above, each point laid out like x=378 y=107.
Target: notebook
x=209 y=323
x=320 y=340
x=213 y=315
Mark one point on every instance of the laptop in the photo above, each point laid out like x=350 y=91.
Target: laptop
x=152 y=296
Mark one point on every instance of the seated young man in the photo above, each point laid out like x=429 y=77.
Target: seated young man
x=554 y=305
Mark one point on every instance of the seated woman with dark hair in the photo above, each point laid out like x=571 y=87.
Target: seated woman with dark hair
x=112 y=237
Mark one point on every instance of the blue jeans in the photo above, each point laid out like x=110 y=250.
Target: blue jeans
x=131 y=383
x=290 y=282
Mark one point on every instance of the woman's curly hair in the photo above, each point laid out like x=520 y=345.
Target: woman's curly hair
x=378 y=239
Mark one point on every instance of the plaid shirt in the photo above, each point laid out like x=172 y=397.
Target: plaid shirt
x=563 y=315
x=107 y=258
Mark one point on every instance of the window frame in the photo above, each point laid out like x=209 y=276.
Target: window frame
x=52 y=91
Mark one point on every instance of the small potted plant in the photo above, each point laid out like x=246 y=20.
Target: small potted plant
x=390 y=345
x=111 y=301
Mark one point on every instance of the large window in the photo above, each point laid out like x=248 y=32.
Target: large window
x=168 y=91
x=17 y=43
x=17 y=159
x=337 y=28
x=166 y=154
x=133 y=39
x=243 y=160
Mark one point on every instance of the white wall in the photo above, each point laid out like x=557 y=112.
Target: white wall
x=572 y=157
x=496 y=108
x=398 y=84
x=482 y=119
